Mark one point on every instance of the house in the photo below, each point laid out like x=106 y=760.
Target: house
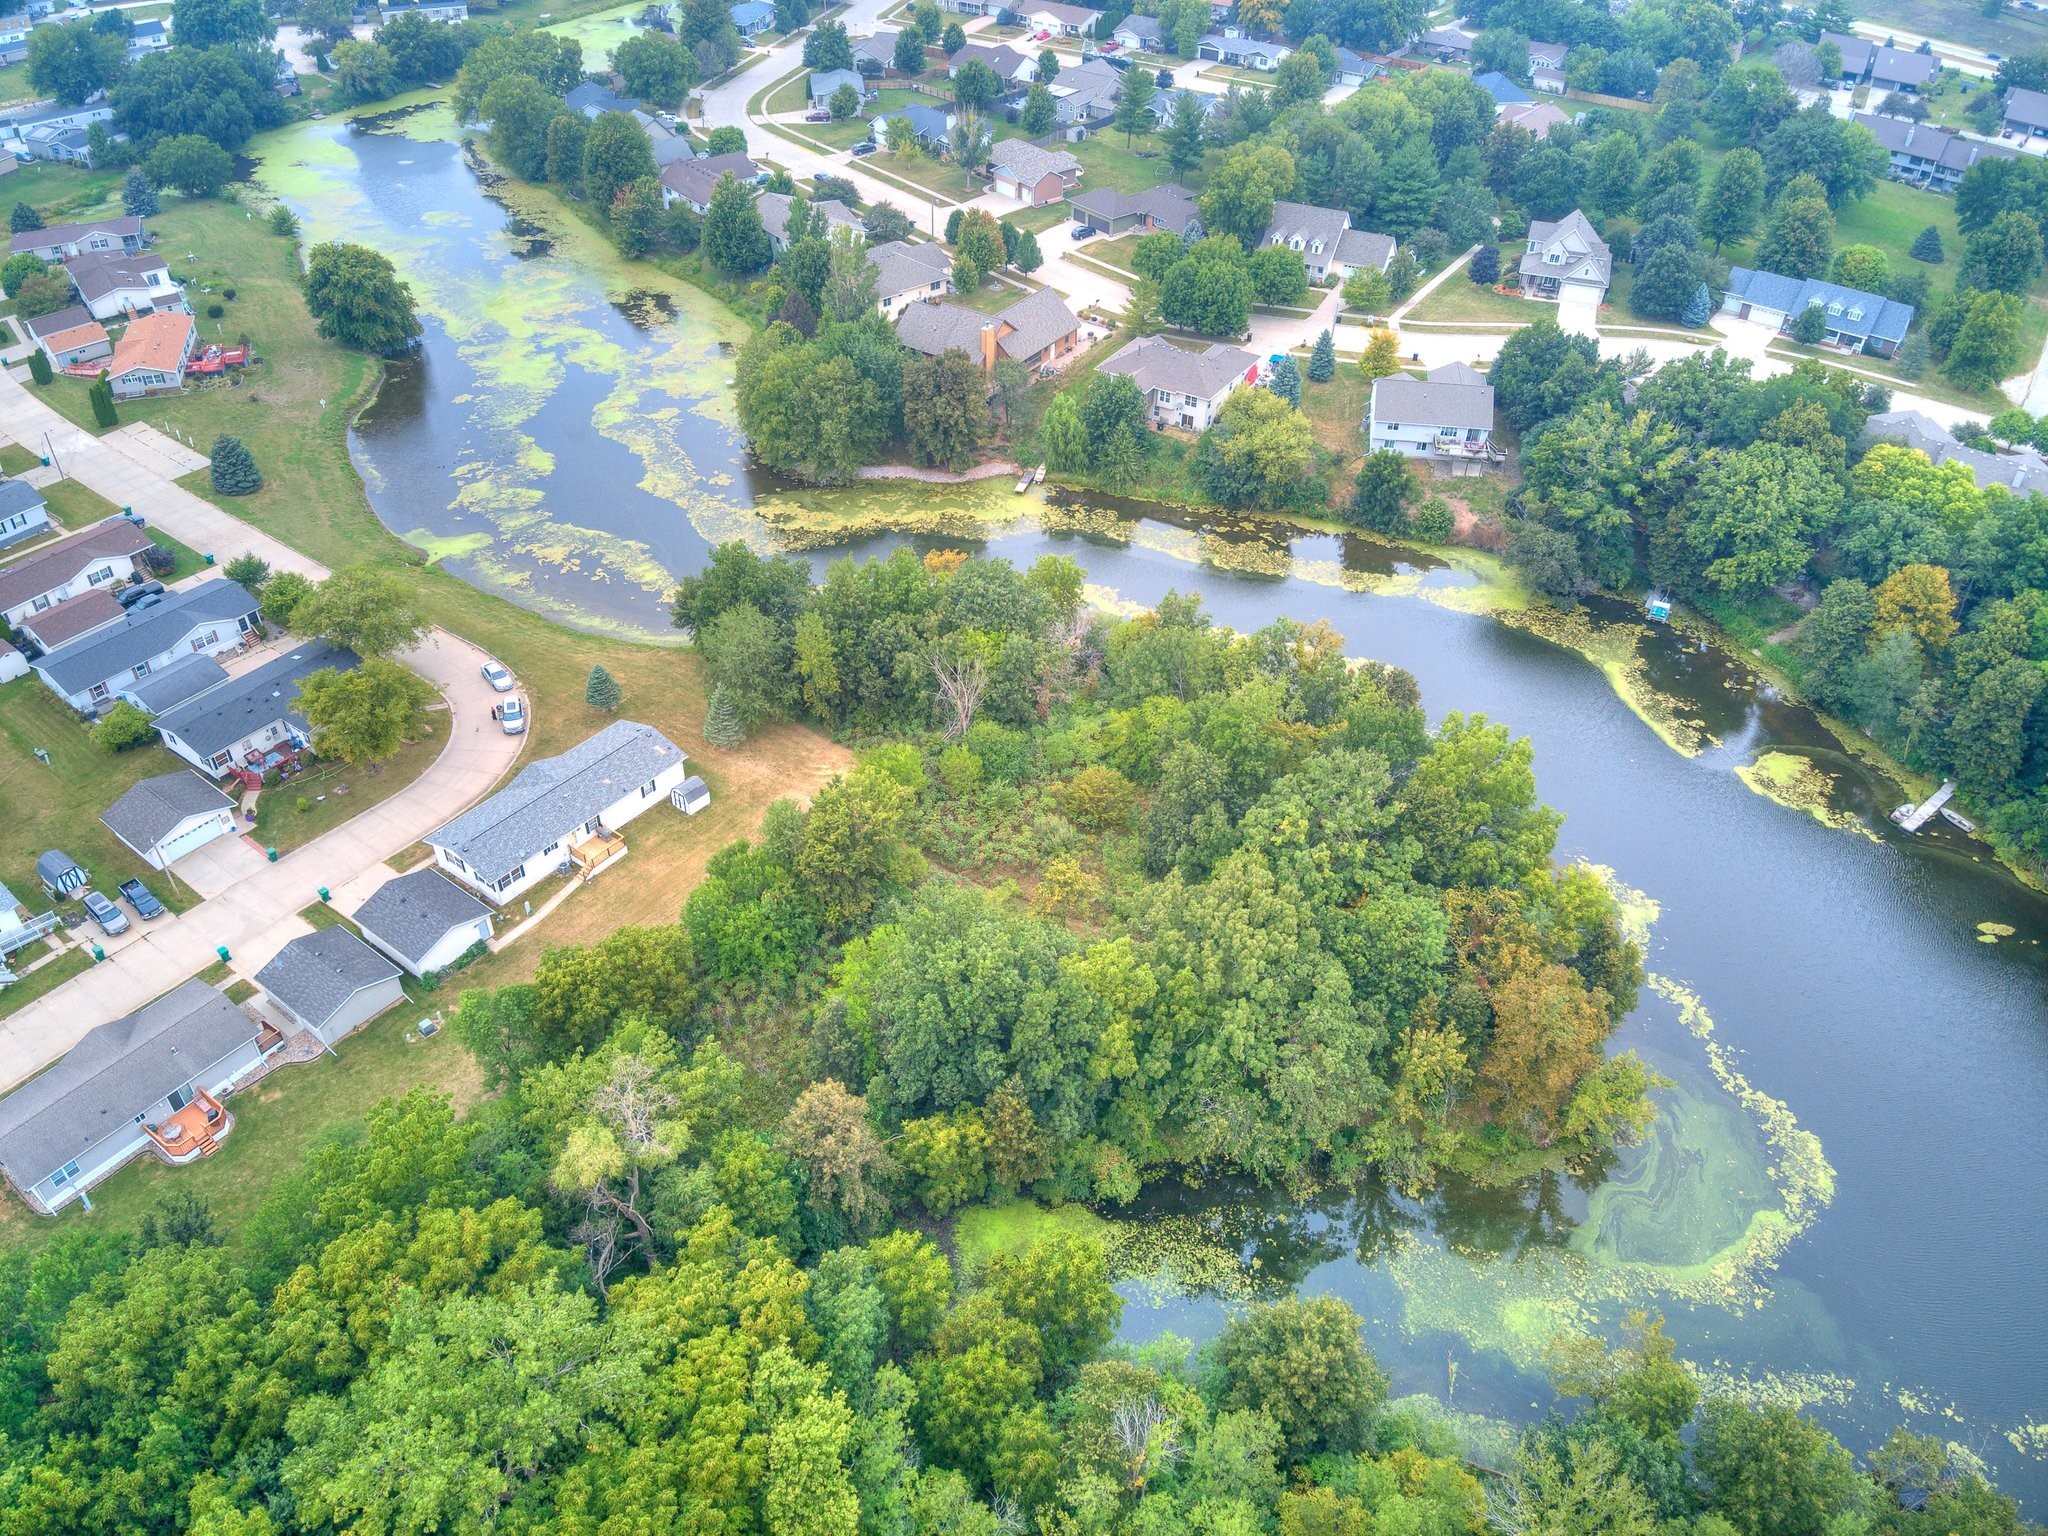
x=1549 y=81
x=1085 y=94
x=1140 y=34
x=41 y=123
x=1183 y=388
x=593 y=99
x=907 y=274
x=1447 y=45
x=1537 y=118
x=875 y=54
x=152 y=1081
x=447 y=11
x=1020 y=169
x=75 y=616
x=1315 y=232
x=424 y=921
x=824 y=82
x=169 y=816
x=1010 y=66
x=61 y=874
x=104 y=555
x=112 y=286
x=1360 y=248
x=164 y=690
x=20 y=927
x=775 y=206
x=243 y=722
x=63 y=146
x=1157 y=208
x=933 y=126
x=1547 y=55
x=1857 y=321
x=1446 y=417
x=23 y=513
x=70 y=336
x=752 y=18
x=1354 y=69
x=1049 y=18
x=328 y=983
x=151 y=355
x=148 y=37
x=1036 y=330
x=1505 y=92
x=1926 y=155
x=203 y=620
x=1241 y=52
x=2022 y=471
x=693 y=181
x=1881 y=66
x=2026 y=113
x=560 y=812
x=61 y=242
x=1566 y=257
x=14 y=32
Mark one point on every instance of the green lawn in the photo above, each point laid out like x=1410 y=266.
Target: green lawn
x=1105 y=162
x=17 y=460
x=1118 y=252
x=46 y=978
x=792 y=95
x=2010 y=32
x=14 y=84
x=333 y=792
x=946 y=180
x=61 y=192
x=1039 y=220
x=1457 y=297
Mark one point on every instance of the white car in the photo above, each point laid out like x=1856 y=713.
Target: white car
x=512 y=716
x=496 y=675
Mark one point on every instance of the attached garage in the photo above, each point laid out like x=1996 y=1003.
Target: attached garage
x=167 y=817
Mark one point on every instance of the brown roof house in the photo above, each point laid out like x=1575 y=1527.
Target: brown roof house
x=104 y=555
x=1022 y=170
x=69 y=336
x=151 y=355
x=1037 y=329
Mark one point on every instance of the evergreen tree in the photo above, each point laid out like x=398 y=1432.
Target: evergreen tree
x=1927 y=247
x=25 y=218
x=1810 y=326
x=1285 y=381
x=101 y=396
x=602 y=691
x=1698 y=308
x=1485 y=267
x=722 y=727
x=39 y=366
x=138 y=197
x=234 y=471
x=1322 y=363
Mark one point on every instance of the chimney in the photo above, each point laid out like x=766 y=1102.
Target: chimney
x=988 y=350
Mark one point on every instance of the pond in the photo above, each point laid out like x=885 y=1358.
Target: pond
x=1844 y=1202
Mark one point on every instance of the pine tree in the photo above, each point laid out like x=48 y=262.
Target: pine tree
x=1322 y=363
x=722 y=728
x=1697 y=308
x=25 y=218
x=138 y=197
x=234 y=471
x=1285 y=381
x=1485 y=266
x=39 y=366
x=1927 y=247
x=101 y=398
x=602 y=691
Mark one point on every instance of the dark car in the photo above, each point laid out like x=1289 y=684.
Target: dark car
x=142 y=900
x=1085 y=232
x=864 y=147
x=128 y=597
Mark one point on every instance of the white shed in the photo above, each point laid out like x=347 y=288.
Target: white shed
x=690 y=796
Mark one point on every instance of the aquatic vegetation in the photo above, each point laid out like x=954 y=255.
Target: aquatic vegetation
x=1800 y=784
x=1991 y=933
x=1615 y=648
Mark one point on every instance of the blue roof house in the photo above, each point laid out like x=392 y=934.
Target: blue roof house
x=1505 y=92
x=752 y=17
x=1856 y=321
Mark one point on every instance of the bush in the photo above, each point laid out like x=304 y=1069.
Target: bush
x=1434 y=522
x=251 y=571
x=304 y=805
x=1811 y=326
x=215 y=311
x=122 y=727
x=159 y=559
x=228 y=294
x=39 y=367
x=1485 y=267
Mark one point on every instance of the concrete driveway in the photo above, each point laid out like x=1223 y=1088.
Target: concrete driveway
x=1578 y=314
x=221 y=864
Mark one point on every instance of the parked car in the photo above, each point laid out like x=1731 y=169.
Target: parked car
x=105 y=913
x=817 y=117
x=1085 y=232
x=496 y=675
x=142 y=900
x=128 y=597
x=864 y=147
x=147 y=600
x=512 y=716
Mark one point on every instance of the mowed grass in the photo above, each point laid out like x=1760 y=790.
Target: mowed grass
x=921 y=170
x=2010 y=32
x=46 y=978
x=1107 y=162
x=333 y=791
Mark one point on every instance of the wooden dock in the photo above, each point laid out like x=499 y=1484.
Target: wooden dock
x=1912 y=818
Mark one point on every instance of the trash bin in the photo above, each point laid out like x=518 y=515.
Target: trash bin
x=271 y=854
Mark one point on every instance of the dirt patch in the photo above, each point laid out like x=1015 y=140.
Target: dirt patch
x=1473 y=529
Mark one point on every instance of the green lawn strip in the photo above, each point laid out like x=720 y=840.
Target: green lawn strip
x=332 y=792
x=758 y=102
x=58 y=804
x=61 y=192
x=17 y=460
x=1110 y=164
x=1102 y=267
x=45 y=978
x=920 y=172
x=1039 y=220
x=1459 y=298
x=1960 y=21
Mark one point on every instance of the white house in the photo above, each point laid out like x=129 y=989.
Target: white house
x=1182 y=388
x=328 y=983
x=561 y=812
x=14 y=32
x=1446 y=417
x=445 y=11
x=152 y=1081
x=23 y=512
x=240 y=721
x=907 y=274
x=1330 y=248
x=116 y=285
x=61 y=242
x=424 y=921
x=151 y=355
x=20 y=927
x=169 y=816
x=1566 y=258
x=1050 y=17
x=148 y=37
x=205 y=620
x=693 y=181
x=104 y=555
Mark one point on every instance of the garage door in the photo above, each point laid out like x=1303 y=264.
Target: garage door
x=176 y=847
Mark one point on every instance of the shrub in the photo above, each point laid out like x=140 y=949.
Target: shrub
x=1485 y=266
x=122 y=727
x=215 y=311
x=234 y=471
x=39 y=367
x=228 y=293
x=1811 y=326
x=602 y=691
x=1434 y=522
x=304 y=805
x=159 y=559
x=101 y=397
x=251 y=571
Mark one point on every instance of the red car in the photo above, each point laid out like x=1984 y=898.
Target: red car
x=817 y=117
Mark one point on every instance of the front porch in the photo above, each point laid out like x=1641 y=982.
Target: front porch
x=193 y=1131
x=599 y=851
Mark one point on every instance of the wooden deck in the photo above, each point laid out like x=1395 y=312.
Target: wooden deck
x=194 y=1131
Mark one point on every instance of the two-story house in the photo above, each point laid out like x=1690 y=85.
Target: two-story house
x=1446 y=418
x=1330 y=248
x=1183 y=388
x=907 y=274
x=205 y=620
x=104 y=555
x=1928 y=155
x=1566 y=259
x=112 y=286
x=1037 y=329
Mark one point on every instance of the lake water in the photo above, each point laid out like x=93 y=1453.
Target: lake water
x=1844 y=1203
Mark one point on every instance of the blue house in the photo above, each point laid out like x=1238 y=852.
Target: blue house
x=752 y=17
x=1857 y=321
x=22 y=512
x=1505 y=92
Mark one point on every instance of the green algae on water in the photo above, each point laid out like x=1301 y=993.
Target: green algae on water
x=1800 y=784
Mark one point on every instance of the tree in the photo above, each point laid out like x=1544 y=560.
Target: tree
x=1039 y=111
x=1384 y=492
x=1987 y=347
x=658 y=68
x=333 y=21
x=1919 y=600
x=362 y=609
x=843 y=104
x=1810 y=326
x=191 y=163
x=39 y=366
x=1303 y=1364
x=975 y=85
x=850 y=283
x=828 y=47
x=248 y=571
x=616 y=153
x=224 y=94
x=1862 y=266
x=1209 y=289
x=2004 y=255
x=24 y=218
x=101 y=397
x=1800 y=239
x=122 y=727
x=520 y=108
x=356 y=296
x=1186 y=132
x=138 y=197
x=745 y=659
x=1367 y=291
x=1134 y=94
x=43 y=292
x=1020 y=247
x=72 y=63
x=1698 y=309
x=1285 y=381
x=945 y=409
x=639 y=222
x=969 y=139
x=567 y=134
x=205 y=23
x=1927 y=247
x=1484 y=268
x=722 y=725
x=1299 y=78
x=364 y=71
x=827 y=1131
x=1242 y=189
x=22 y=266
x=726 y=139
x=283 y=596
x=1733 y=204
x=602 y=691
x=1322 y=362
x=1278 y=275
x=364 y=714
x=909 y=56
x=1754 y=513
x=1768 y=1472
x=1256 y=452
x=423 y=50
x=1382 y=354
x=234 y=470
x=1059 y=1288
x=734 y=240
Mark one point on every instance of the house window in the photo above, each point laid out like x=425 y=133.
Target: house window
x=104 y=573
x=64 y=1175
x=141 y=669
x=221 y=759
x=39 y=605
x=647 y=789
x=99 y=691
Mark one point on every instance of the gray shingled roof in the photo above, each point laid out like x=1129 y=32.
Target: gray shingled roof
x=825 y=81
x=1041 y=318
x=695 y=180
x=1452 y=396
x=2026 y=107
x=225 y=714
x=51 y=567
x=96 y=274
x=60 y=320
x=64 y=234
x=1156 y=363
x=112 y=1075
x=1171 y=208
x=555 y=795
x=317 y=973
x=1038 y=320
x=1930 y=141
x=2022 y=470
x=1026 y=162
x=1586 y=256
x=152 y=808
x=414 y=912
x=75 y=616
x=900 y=266
x=1363 y=248
x=53 y=864
x=167 y=688
x=18 y=496
x=142 y=634
x=1861 y=314
x=1306 y=222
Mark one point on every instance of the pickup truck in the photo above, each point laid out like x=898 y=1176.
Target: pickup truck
x=142 y=900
